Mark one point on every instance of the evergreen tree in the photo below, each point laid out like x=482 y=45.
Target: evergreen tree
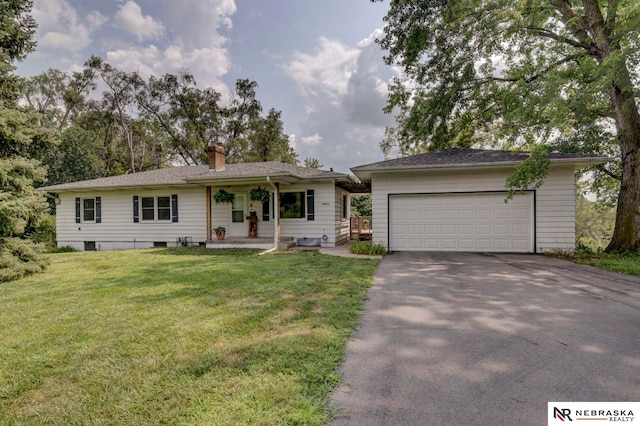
x=22 y=207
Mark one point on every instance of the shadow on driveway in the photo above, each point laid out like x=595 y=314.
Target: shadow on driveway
x=486 y=339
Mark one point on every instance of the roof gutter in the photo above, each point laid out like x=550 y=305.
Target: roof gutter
x=365 y=172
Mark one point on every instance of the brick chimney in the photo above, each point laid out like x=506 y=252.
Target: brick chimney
x=216 y=157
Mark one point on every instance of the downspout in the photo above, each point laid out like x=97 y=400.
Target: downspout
x=276 y=213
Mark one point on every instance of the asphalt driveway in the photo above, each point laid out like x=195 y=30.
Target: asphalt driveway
x=486 y=339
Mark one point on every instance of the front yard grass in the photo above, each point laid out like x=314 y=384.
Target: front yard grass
x=626 y=263
x=177 y=336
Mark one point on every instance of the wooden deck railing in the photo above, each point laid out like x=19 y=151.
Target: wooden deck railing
x=361 y=227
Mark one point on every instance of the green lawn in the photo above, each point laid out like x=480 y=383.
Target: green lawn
x=177 y=336
x=627 y=263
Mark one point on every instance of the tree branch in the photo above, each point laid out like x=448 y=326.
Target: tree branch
x=535 y=76
x=608 y=172
x=543 y=32
x=576 y=24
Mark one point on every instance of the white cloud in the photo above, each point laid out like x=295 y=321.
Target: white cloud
x=59 y=26
x=131 y=19
x=207 y=65
x=312 y=140
x=345 y=90
x=194 y=41
x=325 y=73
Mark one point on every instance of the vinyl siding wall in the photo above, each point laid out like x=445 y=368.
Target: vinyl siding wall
x=325 y=215
x=117 y=229
x=342 y=223
x=555 y=200
x=221 y=212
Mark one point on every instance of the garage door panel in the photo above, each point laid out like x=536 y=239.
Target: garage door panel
x=501 y=229
x=465 y=214
x=461 y=222
x=483 y=214
x=449 y=229
x=415 y=228
x=431 y=229
x=466 y=230
x=483 y=229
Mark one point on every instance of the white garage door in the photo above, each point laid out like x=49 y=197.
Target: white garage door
x=461 y=222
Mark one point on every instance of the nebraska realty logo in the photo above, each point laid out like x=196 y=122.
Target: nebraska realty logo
x=594 y=412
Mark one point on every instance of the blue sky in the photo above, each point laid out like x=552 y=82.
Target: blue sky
x=315 y=60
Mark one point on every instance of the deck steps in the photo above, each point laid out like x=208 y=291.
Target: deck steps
x=286 y=243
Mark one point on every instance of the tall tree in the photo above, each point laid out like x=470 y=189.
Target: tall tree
x=119 y=101
x=312 y=163
x=59 y=96
x=190 y=117
x=267 y=140
x=561 y=74
x=16 y=42
x=21 y=206
x=243 y=110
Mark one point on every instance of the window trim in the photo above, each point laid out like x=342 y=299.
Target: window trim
x=152 y=208
x=80 y=210
x=344 y=201
x=302 y=200
x=139 y=209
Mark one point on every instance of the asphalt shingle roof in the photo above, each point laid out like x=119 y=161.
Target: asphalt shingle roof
x=182 y=175
x=461 y=156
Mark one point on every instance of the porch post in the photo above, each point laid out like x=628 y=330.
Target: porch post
x=208 y=204
x=276 y=213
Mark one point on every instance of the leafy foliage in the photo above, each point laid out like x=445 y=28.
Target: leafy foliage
x=368 y=248
x=520 y=74
x=594 y=223
x=224 y=196
x=22 y=209
x=312 y=163
x=259 y=194
x=361 y=205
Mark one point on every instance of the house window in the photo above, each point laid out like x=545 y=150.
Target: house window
x=88 y=210
x=148 y=208
x=266 y=209
x=237 y=209
x=164 y=208
x=292 y=205
x=155 y=208
x=344 y=206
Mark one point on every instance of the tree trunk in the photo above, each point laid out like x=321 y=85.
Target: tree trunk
x=626 y=235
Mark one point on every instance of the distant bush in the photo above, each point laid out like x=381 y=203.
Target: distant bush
x=63 y=249
x=45 y=232
x=364 y=247
x=19 y=258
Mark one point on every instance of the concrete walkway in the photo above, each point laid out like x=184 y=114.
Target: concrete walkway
x=484 y=339
x=341 y=250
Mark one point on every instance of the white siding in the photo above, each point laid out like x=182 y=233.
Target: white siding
x=325 y=219
x=342 y=223
x=117 y=229
x=555 y=199
x=221 y=213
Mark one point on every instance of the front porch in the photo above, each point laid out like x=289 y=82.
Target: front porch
x=241 y=242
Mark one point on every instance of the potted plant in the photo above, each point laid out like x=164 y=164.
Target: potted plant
x=259 y=194
x=222 y=196
x=220 y=231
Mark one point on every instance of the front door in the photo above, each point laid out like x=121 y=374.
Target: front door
x=238 y=226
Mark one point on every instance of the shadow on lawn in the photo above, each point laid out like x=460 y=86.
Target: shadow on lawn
x=203 y=251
